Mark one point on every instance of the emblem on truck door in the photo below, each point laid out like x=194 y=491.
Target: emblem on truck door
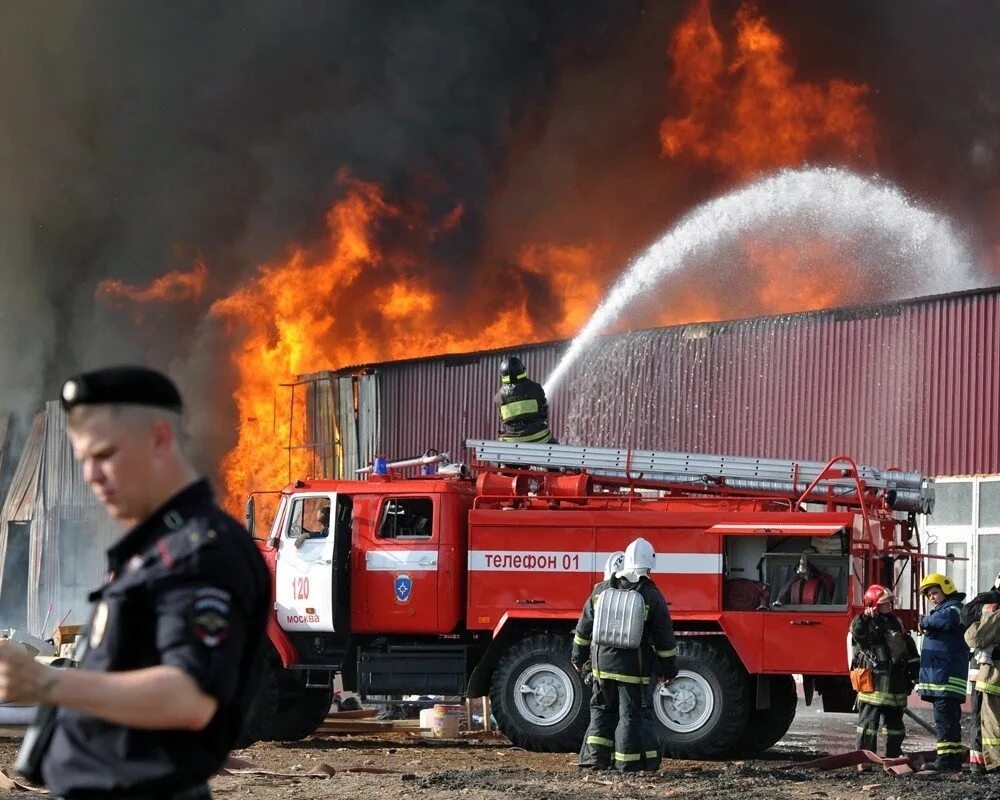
x=402 y=586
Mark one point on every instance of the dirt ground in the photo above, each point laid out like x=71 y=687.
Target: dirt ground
x=487 y=767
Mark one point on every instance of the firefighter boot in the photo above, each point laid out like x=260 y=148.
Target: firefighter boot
x=944 y=763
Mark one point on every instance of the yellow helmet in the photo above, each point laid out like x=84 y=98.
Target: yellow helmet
x=943 y=582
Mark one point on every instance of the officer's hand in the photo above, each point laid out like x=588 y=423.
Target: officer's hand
x=989 y=608
x=22 y=679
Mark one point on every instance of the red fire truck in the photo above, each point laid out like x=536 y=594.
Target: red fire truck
x=461 y=584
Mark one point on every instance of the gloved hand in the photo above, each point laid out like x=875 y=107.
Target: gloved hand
x=578 y=666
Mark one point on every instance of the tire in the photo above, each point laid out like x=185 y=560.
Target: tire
x=283 y=710
x=554 y=718
x=768 y=725
x=710 y=707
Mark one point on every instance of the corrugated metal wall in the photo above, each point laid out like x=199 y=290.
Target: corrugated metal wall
x=914 y=384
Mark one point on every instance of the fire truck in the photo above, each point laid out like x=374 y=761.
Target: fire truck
x=468 y=582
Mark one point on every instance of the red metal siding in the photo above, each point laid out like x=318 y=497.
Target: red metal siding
x=914 y=384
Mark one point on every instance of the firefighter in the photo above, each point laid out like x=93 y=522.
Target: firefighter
x=944 y=667
x=629 y=610
x=592 y=755
x=167 y=660
x=521 y=404
x=883 y=645
x=983 y=636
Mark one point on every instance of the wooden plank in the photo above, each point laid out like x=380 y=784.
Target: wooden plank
x=361 y=713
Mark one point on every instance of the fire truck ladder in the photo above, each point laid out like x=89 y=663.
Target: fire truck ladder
x=903 y=491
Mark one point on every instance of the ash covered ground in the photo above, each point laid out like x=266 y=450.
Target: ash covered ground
x=487 y=767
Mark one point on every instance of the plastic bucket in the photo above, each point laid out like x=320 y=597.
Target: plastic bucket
x=445 y=721
x=427 y=721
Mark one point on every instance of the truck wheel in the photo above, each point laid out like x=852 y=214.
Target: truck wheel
x=538 y=699
x=705 y=711
x=283 y=710
x=768 y=725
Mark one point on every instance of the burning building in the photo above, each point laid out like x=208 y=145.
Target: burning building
x=242 y=199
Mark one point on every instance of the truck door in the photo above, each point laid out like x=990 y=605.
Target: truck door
x=304 y=589
x=401 y=566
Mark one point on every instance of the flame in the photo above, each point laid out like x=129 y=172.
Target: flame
x=358 y=302
x=747 y=113
x=173 y=287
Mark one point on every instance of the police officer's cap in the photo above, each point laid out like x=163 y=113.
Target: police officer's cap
x=127 y=385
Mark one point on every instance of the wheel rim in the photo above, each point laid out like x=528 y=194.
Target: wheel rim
x=686 y=704
x=544 y=694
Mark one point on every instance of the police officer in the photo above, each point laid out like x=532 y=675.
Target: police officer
x=521 y=404
x=174 y=637
x=622 y=728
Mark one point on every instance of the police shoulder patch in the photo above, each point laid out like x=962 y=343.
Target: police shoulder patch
x=210 y=615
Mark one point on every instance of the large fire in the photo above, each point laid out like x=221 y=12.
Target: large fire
x=356 y=298
x=746 y=112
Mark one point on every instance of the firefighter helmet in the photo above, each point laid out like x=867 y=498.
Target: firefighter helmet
x=878 y=594
x=615 y=562
x=640 y=558
x=943 y=582
x=512 y=370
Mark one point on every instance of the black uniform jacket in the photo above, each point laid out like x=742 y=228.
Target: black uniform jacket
x=188 y=588
x=523 y=410
x=656 y=656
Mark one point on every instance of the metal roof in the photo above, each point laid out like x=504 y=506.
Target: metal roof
x=913 y=383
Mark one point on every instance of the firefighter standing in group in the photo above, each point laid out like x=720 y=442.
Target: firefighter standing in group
x=522 y=406
x=983 y=635
x=884 y=647
x=626 y=635
x=944 y=667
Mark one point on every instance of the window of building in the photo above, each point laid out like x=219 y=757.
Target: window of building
x=989 y=504
x=952 y=503
x=989 y=559
x=406 y=518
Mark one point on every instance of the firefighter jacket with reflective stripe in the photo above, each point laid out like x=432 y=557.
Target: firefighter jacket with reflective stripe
x=523 y=410
x=944 y=656
x=656 y=656
x=884 y=646
x=984 y=634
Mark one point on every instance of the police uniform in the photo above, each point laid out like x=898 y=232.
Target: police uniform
x=186 y=587
x=622 y=729
x=524 y=412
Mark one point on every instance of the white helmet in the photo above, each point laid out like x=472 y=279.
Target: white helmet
x=615 y=562
x=640 y=558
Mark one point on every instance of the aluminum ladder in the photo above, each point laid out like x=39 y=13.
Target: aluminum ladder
x=903 y=491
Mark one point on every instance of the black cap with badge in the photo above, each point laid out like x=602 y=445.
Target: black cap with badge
x=126 y=385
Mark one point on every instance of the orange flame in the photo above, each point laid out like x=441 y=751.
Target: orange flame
x=750 y=114
x=176 y=286
x=358 y=303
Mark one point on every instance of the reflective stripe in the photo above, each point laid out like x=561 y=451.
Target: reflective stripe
x=617 y=676
x=989 y=688
x=545 y=433
x=635 y=756
x=882 y=699
x=937 y=687
x=600 y=741
x=510 y=410
x=667 y=653
x=577 y=639
x=947 y=748
x=893 y=732
x=991 y=741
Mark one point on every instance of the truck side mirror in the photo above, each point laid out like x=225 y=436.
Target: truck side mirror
x=250 y=515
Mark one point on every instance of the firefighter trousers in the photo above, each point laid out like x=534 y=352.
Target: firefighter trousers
x=622 y=733
x=892 y=728
x=976 y=746
x=948 y=726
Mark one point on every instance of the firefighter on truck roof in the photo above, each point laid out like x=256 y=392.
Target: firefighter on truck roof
x=522 y=406
x=626 y=635
x=883 y=671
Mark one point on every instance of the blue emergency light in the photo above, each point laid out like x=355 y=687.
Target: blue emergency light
x=380 y=466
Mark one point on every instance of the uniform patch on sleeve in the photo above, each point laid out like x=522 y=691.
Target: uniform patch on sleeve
x=210 y=611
